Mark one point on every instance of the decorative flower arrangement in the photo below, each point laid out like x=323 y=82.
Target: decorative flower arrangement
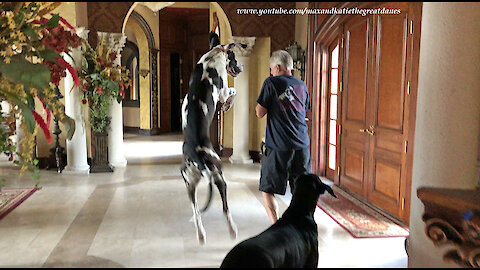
x=102 y=81
x=31 y=66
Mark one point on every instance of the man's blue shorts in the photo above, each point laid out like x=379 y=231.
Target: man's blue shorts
x=280 y=166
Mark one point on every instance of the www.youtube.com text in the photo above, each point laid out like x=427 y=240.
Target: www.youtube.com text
x=318 y=11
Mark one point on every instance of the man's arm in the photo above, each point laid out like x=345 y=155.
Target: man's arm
x=260 y=110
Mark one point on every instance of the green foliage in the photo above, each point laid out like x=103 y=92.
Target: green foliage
x=21 y=71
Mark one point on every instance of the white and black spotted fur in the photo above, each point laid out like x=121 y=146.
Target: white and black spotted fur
x=208 y=86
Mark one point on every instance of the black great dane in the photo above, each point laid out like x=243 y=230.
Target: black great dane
x=208 y=85
x=292 y=241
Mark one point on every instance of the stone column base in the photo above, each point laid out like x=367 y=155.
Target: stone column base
x=240 y=160
x=76 y=170
x=119 y=163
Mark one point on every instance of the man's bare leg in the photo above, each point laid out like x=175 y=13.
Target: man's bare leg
x=271 y=206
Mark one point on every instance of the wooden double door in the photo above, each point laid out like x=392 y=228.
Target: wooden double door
x=368 y=139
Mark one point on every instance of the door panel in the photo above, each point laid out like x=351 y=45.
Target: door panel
x=387 y=153
x=391 y=33
x=356 y=76
x=354 y=164
x=354 y=143
x=377 y=107
x=385 y=170
x=374 y=109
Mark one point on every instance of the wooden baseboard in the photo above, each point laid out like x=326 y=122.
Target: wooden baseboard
x=149 y=132
x=131 y=130
x=142 y=132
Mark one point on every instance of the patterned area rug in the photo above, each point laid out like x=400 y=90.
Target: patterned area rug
x=357 y=218
x=13 y=197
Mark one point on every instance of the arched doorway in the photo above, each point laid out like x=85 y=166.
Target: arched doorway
x=170 y=39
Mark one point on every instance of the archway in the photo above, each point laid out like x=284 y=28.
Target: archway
x=142 y=25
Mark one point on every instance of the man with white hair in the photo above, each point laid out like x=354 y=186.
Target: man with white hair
x=284 y=99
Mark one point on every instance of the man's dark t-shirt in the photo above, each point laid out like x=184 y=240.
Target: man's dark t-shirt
x=286 y=100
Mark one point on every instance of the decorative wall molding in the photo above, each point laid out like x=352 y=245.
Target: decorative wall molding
x=154 y=86
x=452 y=218
x=249 y=41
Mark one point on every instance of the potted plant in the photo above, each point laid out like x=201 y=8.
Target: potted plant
x=32 y=41
x=103 y=82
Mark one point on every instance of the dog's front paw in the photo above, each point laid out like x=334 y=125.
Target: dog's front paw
x=201 y=240
x=232 y=227
x=228 y=103
x=201 y=237
x=232 y=92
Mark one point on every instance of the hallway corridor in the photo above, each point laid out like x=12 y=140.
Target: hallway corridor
x=139 y=216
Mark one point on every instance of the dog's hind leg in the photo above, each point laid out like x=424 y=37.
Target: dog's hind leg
x=222 y=188
x=192 y=176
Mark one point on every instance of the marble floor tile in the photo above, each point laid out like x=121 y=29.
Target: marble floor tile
x=140 y=216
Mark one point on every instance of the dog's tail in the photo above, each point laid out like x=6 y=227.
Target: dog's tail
x=209 y=198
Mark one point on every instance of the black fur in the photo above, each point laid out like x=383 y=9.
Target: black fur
x=292 y=241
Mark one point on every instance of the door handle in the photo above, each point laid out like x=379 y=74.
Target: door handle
x=370 y=132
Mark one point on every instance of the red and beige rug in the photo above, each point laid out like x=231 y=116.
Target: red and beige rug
x=357 y=218
x=13 y=197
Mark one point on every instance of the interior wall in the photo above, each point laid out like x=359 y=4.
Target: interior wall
x=144 y=83
x=107 y=16
x=145 y=96
x=448 y=114
x=191 y=5
x=301 y=24
x=131 y=117
x=280 y=28
x=259 y=71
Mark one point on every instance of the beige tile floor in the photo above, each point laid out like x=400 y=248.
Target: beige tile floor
x=139 y=216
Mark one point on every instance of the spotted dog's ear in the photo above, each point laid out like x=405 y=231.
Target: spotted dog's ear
x=216 y=50
x=214 y=39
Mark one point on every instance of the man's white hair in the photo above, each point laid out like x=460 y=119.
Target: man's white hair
x=283 y=59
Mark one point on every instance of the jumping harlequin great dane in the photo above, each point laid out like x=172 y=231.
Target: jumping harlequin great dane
x=208 y=85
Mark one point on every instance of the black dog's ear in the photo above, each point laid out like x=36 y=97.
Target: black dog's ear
x=329 y=190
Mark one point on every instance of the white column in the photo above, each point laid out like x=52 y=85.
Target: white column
x=77 y=146
x=241 y=106
x=448 y=115
x=116 y=156
x=18 y=137
x=6 y=107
